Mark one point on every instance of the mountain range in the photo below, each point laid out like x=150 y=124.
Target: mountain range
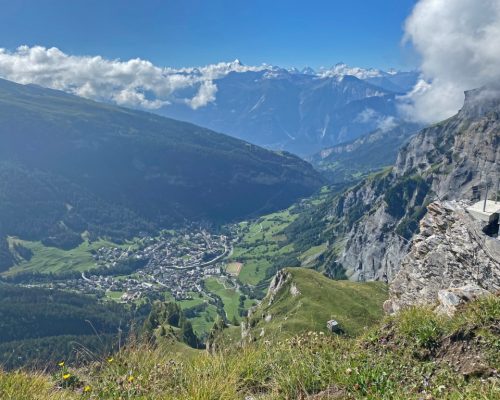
x=299 y=111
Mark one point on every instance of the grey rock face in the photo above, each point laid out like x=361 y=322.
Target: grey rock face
x=450 y=261
x=277 y=283
x=445 y=161
x=450 y=299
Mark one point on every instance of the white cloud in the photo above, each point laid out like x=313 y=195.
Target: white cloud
x=458 y=41
x=383 y=122
x=135 y=83
x=206 y=94
x=367 y=115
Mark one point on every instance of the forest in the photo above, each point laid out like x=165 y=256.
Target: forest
x=44 y=326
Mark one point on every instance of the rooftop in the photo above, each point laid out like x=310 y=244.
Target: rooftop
x=489 y=214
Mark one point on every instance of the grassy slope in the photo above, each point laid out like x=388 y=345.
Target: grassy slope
x=51 y=259
x=354 y=305
x=263 y=241
x=410 y=356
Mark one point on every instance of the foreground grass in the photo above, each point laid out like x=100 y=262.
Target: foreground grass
x=22 y=385
x=407 y=357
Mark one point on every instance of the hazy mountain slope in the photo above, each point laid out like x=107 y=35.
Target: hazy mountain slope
x=36 y=205
x=299 y=112
x=347 y=162
x=107 y=166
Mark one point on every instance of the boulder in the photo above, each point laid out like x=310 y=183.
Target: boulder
x=450 y=299
x=333 y=326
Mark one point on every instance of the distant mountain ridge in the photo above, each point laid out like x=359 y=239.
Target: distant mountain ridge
x=299 y=111
x=71 y=165
x=348 y=162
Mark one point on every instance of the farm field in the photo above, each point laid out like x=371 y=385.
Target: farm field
x=264 y=244
x=229 y=296
x=204 y=320
x=234 y=268
x=261 y=241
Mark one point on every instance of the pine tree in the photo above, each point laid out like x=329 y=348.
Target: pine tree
x=188 y=336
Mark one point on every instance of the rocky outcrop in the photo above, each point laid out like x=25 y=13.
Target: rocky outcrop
x=446 y=161
x=450 y=299
x=450 y=261
x=279 y=280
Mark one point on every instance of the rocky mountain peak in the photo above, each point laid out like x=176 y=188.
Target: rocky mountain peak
x=479 y=102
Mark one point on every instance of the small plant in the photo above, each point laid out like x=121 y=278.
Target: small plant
x=65 y=378
x=420 y=326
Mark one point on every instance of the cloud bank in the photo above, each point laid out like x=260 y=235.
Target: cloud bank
x=459 y=44
x=133 y=83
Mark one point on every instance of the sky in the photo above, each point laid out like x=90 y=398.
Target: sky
x=180 y=33
x=140 y=53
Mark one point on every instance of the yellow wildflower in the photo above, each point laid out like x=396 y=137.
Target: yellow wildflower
x=61 y=364
x=130 y=378
x=110 y=359
x=87 y=389
x=66 y=376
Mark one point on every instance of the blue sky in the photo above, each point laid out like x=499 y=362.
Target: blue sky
x=365 y=33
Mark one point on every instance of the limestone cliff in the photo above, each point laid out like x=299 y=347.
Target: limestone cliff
x=450 y=252
x=445 y=161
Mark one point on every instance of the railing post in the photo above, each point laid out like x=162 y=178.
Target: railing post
x=485 y=197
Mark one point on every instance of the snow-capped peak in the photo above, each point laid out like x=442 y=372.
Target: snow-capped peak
x=308 y=71
x=342 y=69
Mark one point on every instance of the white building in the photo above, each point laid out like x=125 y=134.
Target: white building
x=487 y=211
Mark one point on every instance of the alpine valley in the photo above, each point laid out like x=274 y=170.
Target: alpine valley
x=147 y=258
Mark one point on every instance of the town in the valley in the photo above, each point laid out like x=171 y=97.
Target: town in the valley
x=176 y=262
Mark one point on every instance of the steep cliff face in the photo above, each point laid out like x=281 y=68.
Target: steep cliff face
x=445 y=161
x=451 y=251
